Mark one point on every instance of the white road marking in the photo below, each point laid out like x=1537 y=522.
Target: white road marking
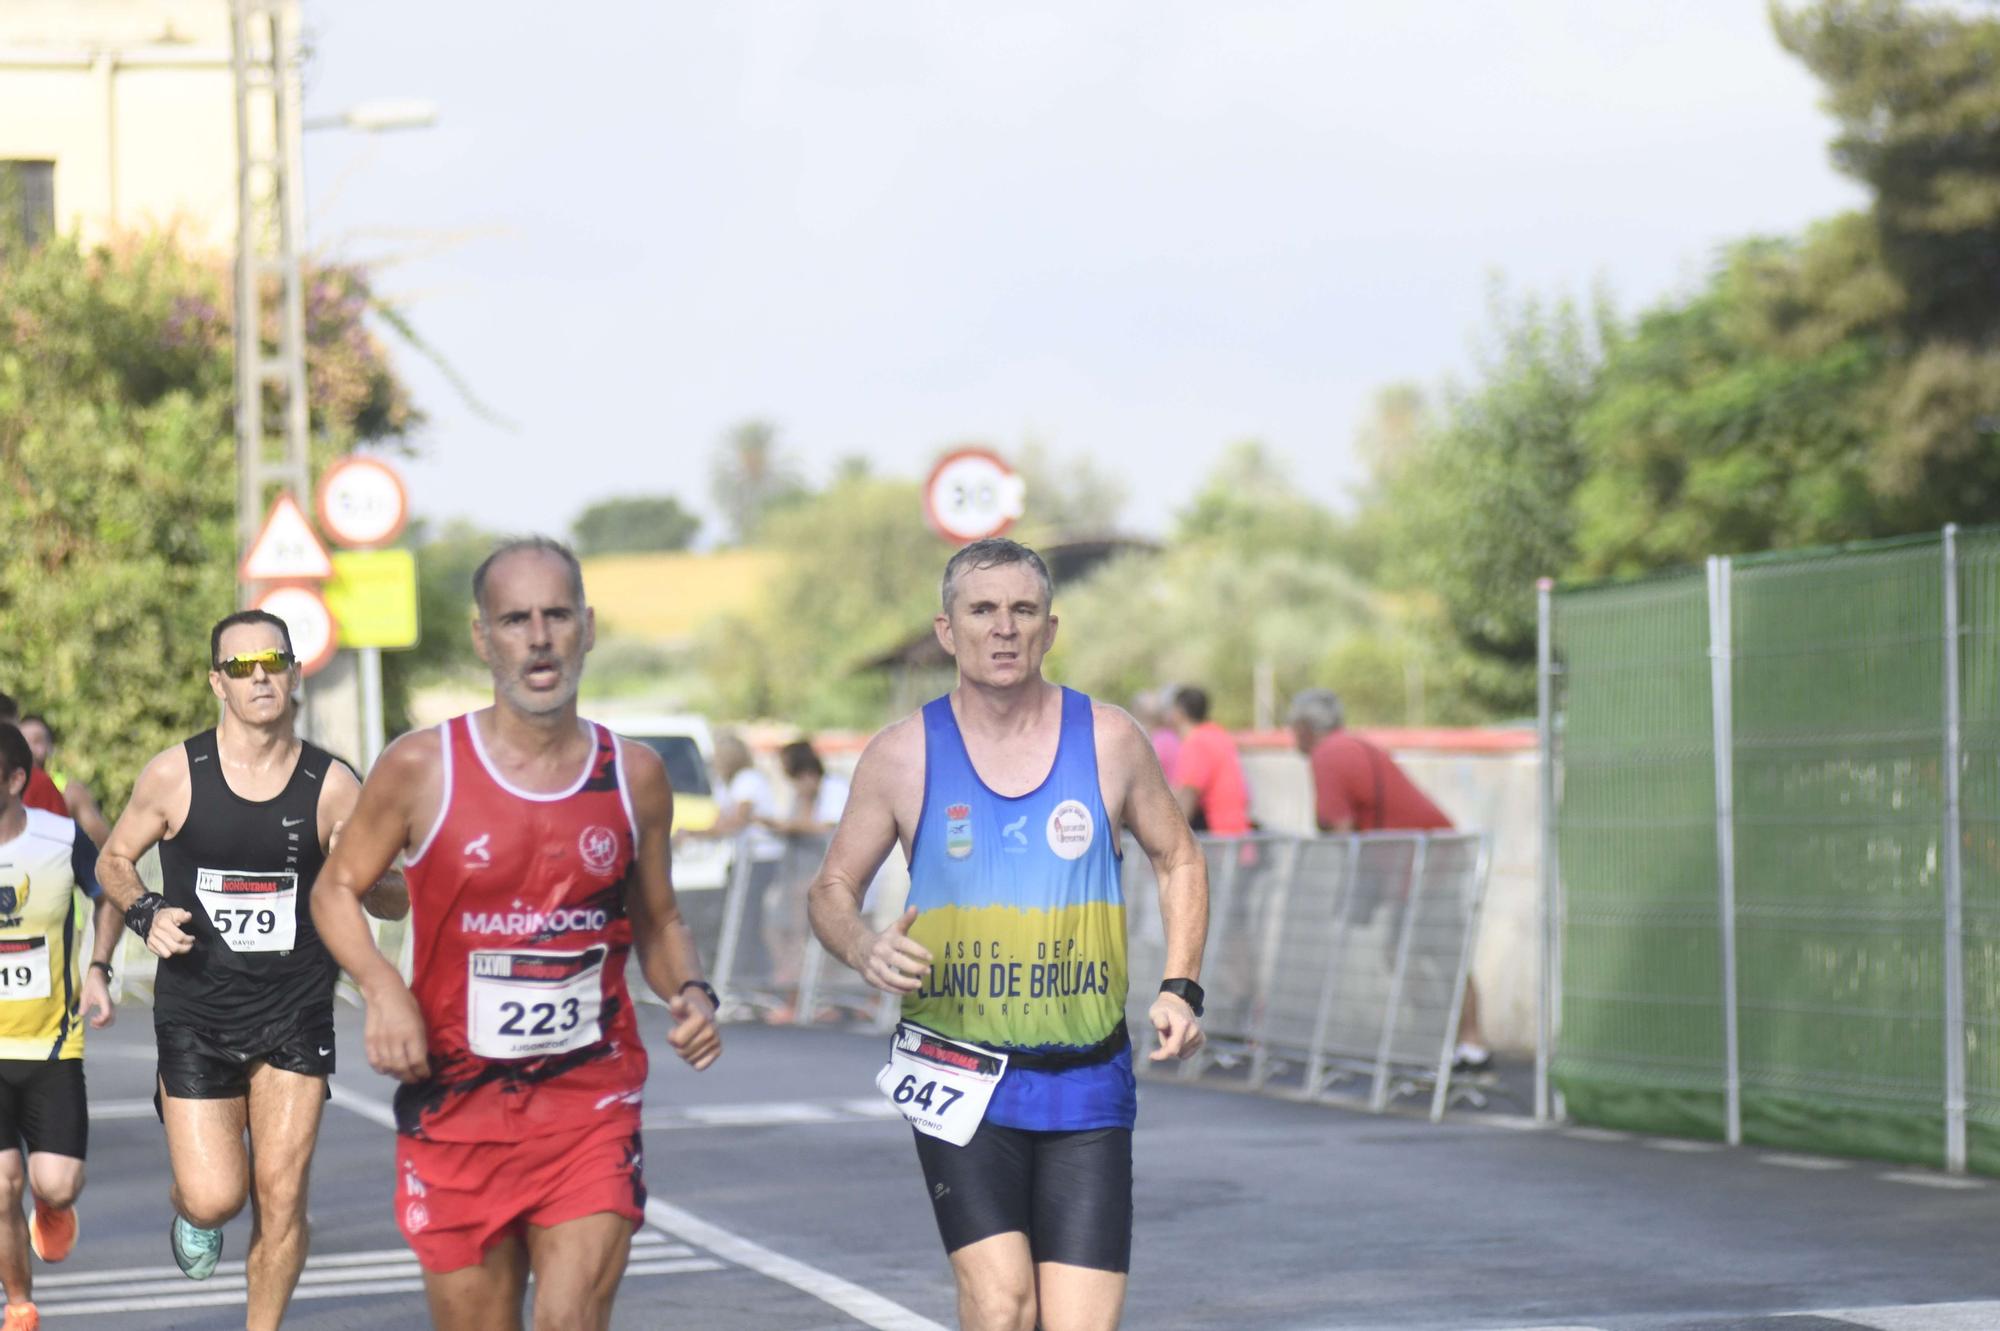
x=353 y=1275
x=1512 y=1122
x=1682 y=1145
x=1597 y=1135
x=770 y=1113
x=863 y=1305
x=1922 y=1180
x=738 y=1116
x=1982 y=1316
x=322 y=1266
x=1785 y=1161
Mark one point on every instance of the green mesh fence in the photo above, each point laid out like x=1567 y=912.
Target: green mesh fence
x=1837 y=672
x=1837 y=753
x=1979 y=797
x=1641 y=982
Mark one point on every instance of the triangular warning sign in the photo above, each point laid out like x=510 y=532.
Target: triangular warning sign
x=286 y=548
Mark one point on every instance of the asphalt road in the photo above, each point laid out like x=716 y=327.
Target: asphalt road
x=786 y=1200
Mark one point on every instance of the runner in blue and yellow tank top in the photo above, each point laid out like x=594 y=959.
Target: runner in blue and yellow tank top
x=1018 y=901
x=1009 y=797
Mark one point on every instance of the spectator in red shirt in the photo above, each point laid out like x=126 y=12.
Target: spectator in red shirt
x=1208 y=774
x=1357 y=787
x=41 y=792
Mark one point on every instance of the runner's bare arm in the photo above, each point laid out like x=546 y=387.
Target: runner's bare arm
x=158 y=805
x=1148 y=807
x=379 y=830
x=667 y=955
x=389 y=899
x=83 y=807
x=98 y=1008
x=887 y=788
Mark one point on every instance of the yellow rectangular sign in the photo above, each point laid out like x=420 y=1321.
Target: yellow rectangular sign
x=373 y=597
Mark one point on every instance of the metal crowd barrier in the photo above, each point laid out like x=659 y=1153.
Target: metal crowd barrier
x=1329 y=959
x=1332 y=962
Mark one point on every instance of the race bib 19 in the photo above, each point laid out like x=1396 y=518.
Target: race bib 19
x=525 y=1003
x=941 y=1085
x=251 y=912
x=24 y=968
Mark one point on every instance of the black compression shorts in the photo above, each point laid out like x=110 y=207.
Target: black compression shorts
x=42 y=1103
x=201 y=1064
x=1069 y=1192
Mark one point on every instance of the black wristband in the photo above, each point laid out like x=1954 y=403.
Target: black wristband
x=139 y=915
x=104 y=966
x=714 y=1003
x=1186 y=990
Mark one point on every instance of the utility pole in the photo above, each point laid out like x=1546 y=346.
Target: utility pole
x=273 y=427
x=271 y=420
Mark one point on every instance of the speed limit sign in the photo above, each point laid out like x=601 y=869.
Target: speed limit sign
x=362 y=503
x=308 y=623
x=972 y=494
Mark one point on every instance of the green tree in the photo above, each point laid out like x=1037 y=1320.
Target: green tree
x=750 y=480
x=632 y=524
x=861 y=576
x=117 y=444
x=1477 y=503
x=445 y=558
x=1067 y=498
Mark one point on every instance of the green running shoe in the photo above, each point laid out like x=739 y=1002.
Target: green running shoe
x=196 y=1250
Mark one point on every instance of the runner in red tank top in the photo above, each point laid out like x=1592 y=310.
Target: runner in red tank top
x=536 y=846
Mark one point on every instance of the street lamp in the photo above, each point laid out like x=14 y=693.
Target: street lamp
x=383 y=115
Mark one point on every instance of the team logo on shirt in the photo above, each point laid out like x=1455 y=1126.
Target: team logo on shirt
x=1070 y=829
x=599 y=848
x=14 y=899
x=958 y=831
x=1012 y=839
x=477 y=856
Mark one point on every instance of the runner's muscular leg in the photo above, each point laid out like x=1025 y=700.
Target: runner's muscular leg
x=14 y=1272
x=996 y=1284
x=577 y=1266
x=205 y=1150
x=486 y=1297
x=1079 y=1298
x=285 y=1110
x=55 y=1180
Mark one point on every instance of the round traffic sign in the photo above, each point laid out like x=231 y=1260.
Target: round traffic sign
x=362 y=503
x=972 y=494
x=314 y=634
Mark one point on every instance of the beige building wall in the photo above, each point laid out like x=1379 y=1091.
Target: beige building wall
x=133 y=101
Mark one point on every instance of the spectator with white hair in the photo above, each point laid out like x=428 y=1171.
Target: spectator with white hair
x=1357 y=787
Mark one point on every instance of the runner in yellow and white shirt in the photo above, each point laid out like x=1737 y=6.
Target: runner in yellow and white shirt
x=44 y=1000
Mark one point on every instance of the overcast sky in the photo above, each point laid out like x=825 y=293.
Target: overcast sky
x=1137 y=230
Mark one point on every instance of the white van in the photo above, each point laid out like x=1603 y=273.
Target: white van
x=686 y=744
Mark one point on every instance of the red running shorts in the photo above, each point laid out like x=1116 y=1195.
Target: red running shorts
x=455 y=1200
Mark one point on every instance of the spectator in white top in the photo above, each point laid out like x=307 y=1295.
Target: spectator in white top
x=745 y=806
x=817 y=800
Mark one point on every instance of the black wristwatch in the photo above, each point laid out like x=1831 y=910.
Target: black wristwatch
x=1184 y=989
x=714 y=1003
x=104 y=966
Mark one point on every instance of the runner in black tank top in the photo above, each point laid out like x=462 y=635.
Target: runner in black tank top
x=243 y=816
x=243 y=869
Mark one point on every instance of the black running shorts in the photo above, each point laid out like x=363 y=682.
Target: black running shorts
x=42 y=1103
x=1069 y=1192
x=200 y=1064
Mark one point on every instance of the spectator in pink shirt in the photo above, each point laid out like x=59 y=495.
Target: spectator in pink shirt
x=1208 y=773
